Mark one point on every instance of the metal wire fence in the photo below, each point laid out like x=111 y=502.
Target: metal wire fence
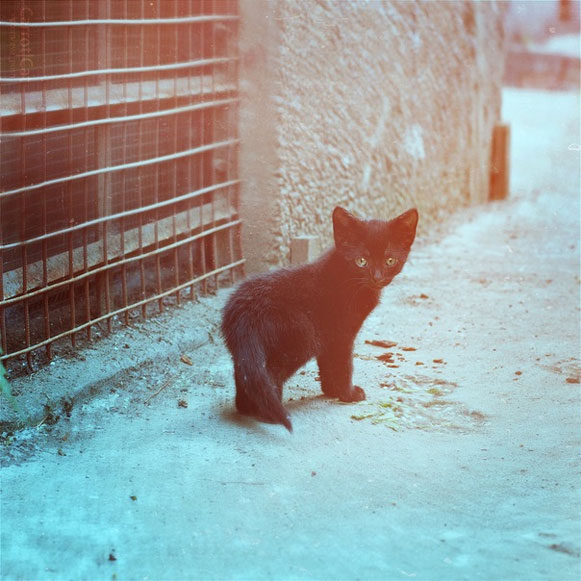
x=118 y=161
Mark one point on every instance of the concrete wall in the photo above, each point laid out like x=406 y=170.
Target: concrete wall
x=376 y=106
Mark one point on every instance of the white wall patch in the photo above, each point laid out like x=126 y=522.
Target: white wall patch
x=413 y=142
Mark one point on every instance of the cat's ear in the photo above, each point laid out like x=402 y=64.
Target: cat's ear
x=407 y=223
x=345 y=227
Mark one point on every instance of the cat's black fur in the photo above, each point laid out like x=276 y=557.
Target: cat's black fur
x=274 y=323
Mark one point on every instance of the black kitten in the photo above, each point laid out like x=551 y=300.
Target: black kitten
x=274 y=323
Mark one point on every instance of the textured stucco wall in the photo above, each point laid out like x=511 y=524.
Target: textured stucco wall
x=377 y=106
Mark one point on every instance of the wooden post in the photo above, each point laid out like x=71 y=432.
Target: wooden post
x=500 y=162
x=304 y=249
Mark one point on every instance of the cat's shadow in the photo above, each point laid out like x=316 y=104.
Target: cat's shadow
x=305 y=400
x=232 y=416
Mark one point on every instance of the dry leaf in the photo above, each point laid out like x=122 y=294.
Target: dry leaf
x=378 y=343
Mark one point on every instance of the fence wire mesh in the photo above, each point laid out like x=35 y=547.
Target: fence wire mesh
x=118 y=161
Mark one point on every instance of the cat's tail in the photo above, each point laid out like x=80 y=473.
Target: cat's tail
x=256 y=392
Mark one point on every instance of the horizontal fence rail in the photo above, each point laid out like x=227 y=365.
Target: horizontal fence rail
x=107 y=170
x=121 y=215
x=95 y=122
x=119 y=165
x=123 y=310
x=132 y=70
x=123 y=21
x=98 y=270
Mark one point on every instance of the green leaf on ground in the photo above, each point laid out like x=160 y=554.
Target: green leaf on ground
x=385 y=413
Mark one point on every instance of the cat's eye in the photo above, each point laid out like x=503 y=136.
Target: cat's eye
x=391 y=261
x=361 y=262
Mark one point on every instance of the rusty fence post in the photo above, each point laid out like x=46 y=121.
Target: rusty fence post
x=500 y=162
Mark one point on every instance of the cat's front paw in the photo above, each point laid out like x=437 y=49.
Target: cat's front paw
x=356 y=394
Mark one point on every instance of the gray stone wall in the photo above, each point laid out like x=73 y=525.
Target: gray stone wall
x=377 y=106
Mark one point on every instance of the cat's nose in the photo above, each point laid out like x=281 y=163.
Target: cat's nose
x=377 y=275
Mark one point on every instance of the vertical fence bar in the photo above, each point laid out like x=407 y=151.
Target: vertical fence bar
x=71 y=213
x=140 y=156
x=229 y=164
x=190 y=162
x=24 y=258
x=201 y=158
x=177 y=163
x=86 y=183
x=212 y=130
x=45 y=226
x=123 y=226
x=108 y=181
x=157 y=137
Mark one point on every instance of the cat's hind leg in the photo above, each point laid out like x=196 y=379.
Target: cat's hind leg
x=243 y=403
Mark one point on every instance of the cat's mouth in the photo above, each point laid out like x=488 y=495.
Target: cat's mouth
x=378 y=284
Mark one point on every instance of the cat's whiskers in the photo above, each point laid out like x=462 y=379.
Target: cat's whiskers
x=354 y=286
x=356 y=280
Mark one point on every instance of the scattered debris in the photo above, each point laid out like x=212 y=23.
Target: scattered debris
x=50 y=417
x=68 y=406
x=394 y=387
x=379 y=343
x=419 y=402
x=564 y=548
x=385 y=413
x=364 y=357
x=182 y=403
x=165 y=384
